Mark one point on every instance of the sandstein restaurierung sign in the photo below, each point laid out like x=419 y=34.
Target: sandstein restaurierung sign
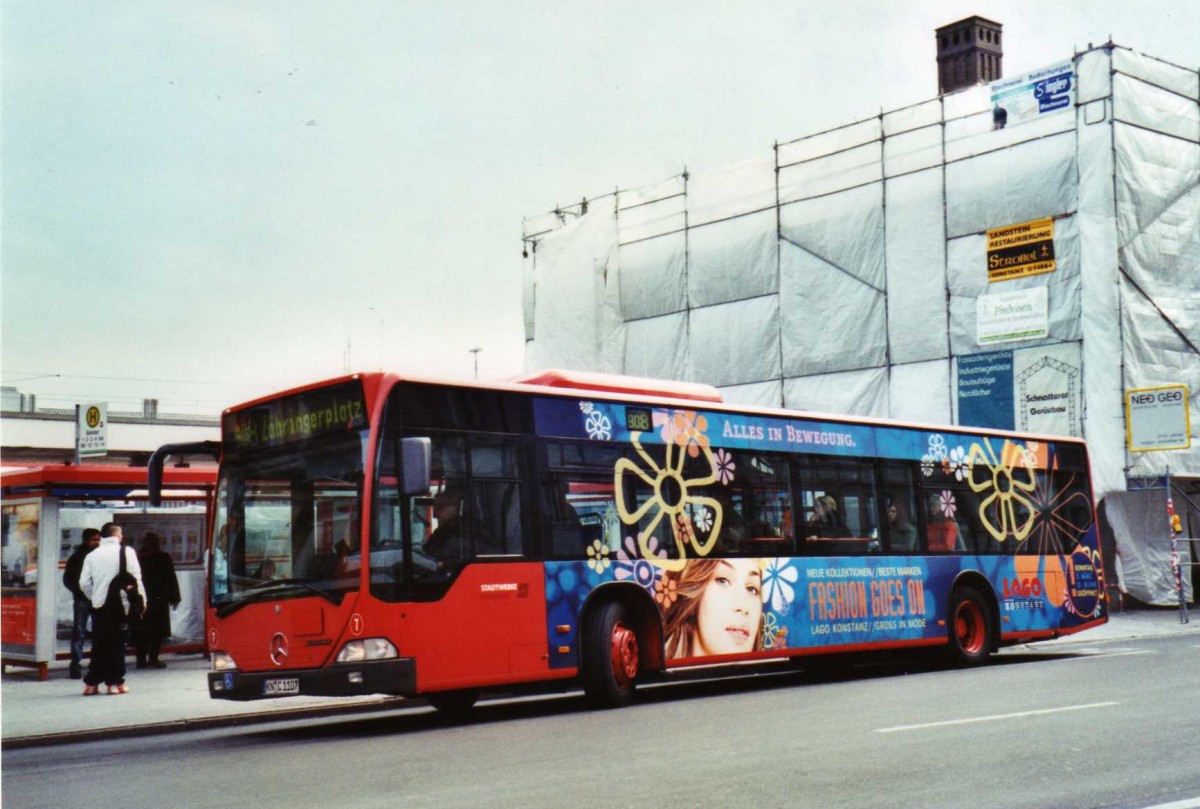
x=1015 y=251
x=1157 y=418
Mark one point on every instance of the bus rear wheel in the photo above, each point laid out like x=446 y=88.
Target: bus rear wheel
x=969 y=624
x=610 y=656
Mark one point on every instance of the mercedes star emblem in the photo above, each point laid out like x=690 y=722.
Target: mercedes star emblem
x=279 y=649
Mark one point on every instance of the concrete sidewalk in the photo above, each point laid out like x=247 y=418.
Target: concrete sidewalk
x=34 y=713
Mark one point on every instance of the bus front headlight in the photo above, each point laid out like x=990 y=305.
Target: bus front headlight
x=223 y=662
x=357 y=651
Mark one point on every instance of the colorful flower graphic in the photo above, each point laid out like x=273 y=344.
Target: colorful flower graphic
x=664 y=590
x=723 y=466
x=1062 y=515
x=779 y=579
x=1006 y=510
x=598 y=556
x=958 y=464
x=946 y=504
x=586 y=407
x=689 y=434
x=672 y=495
x=935 y=457
x=598 y=426
x=629 y=565
x=704 y=519
x=774 y=635
x=665 y=425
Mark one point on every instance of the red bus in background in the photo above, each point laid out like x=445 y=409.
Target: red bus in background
x=378 y=534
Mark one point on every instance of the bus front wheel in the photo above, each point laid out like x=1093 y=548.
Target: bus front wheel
x=610 y=660
x=969 y=624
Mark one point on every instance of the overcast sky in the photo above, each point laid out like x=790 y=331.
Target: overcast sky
x=204 y=202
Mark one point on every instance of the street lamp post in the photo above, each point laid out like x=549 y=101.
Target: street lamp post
x=476 y=351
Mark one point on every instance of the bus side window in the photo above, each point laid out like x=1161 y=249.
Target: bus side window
x=495 y=497
x=900 y=503
x=840 y=508
x=751 y=493
x=576 y=500
x=560 y=521
x=942 y=534
x=498 y=504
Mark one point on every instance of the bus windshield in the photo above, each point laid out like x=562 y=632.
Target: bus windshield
x=287 y=522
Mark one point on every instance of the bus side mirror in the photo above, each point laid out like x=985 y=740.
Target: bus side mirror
x=154 y=471
x=416 y=454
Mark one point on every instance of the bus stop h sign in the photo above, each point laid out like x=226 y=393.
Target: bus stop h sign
x=1157 y=418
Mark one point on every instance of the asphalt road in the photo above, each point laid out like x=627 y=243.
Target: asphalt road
x=1105 y=725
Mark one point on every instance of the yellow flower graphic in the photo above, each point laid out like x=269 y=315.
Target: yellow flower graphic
x=598 y=557
x=674 y=495
x=1009 y=482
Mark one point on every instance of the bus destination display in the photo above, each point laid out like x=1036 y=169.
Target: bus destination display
x=299 y=417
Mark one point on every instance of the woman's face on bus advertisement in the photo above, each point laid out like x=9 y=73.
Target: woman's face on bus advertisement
x=730 y=609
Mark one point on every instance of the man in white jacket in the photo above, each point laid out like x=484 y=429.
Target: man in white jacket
x=109 y=632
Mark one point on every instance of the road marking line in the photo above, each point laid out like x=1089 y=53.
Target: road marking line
x=997 y=717
x=1099 y=655
x=1187 y=803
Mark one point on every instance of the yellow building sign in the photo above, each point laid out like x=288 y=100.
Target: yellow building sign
x=1016 y=251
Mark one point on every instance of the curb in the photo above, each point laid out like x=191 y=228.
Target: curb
x=202 y=723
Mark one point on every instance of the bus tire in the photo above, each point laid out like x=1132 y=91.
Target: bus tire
x=454 y=704
x=610 y=655
x=969 y=623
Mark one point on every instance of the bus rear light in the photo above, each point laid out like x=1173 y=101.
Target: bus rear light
x=562 y=650
x=223 y=662
x=563 y=628
x=367 y=649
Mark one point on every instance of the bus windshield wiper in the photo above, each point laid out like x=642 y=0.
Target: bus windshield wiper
x=267 y=588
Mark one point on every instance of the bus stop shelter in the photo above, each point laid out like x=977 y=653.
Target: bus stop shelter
x=45 y=510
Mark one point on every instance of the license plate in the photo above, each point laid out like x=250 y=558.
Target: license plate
x=281 y=686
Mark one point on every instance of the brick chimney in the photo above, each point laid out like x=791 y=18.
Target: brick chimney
x=969 y=52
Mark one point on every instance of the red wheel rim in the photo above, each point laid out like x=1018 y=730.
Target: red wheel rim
x=624 y=654
x=968 y=625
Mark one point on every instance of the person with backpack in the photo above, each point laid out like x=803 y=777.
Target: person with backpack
x=112 y=579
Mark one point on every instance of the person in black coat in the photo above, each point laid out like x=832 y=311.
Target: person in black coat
x=162 y=594
x=82 y=607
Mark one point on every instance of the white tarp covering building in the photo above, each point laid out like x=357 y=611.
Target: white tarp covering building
x=1015 y=255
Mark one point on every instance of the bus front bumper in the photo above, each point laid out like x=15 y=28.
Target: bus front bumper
x=397 y=677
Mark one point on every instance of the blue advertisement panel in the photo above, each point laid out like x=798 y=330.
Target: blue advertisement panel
x=611 y=421
x=663 y=516
x=985 y=390
x=793 y=603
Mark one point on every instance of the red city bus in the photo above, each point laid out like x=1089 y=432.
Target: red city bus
x=380 y=534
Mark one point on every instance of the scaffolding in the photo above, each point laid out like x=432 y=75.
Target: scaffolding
x=846 y=272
